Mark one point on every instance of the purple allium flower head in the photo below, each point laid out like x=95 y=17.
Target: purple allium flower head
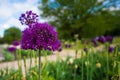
x=67 y=45
x=11 y=49
x=109 y=39
x=95 y=44
x=15 y=43
x=85 y=49
x=28 y=18
x=94 y=41
x=102 y=39
x=40 y=36
x=110 y=49
x=60 y=49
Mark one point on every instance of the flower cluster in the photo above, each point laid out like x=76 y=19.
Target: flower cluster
x=67 y=46
x=110 y=49
x=11 y=49
x=109 y=39
x=102 y=39
x=28 y=18
x=15 y=43
x=94 y=42
x=40 y=36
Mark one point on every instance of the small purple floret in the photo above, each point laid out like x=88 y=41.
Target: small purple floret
x=28 y=18
x=110 y=49
x=67 y=45
x=85 y=49
x=109 y=39
x=102 y=39
x=15 y=43
x=11 y=49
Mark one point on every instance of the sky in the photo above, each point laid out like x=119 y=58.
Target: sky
x=10 y=11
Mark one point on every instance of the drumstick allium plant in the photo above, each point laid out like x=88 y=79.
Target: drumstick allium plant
x=38 y=36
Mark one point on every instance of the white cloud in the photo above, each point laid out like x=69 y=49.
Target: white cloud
x=10 y=12
x=5 y=9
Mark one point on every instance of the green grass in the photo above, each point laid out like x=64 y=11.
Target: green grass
x=88 y=67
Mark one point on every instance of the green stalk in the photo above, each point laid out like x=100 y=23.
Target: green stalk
x=91 y=72
x=19 y=64
x=39 y=64
x=87 y=64
x=107 y=54
x=76 y=52
x=115 y=59
x=119 y=70
x=30 y=59
x=82 y=65
x=25 y=67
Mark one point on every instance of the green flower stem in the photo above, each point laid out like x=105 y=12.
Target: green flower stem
x=30 y=59
x=76 y=52
x=107 y=54
x=87 y=64
x=119 y=70
x=19 y=64
x=39 y=64
x=82 y=65
x=25 y=67
x=91 y=72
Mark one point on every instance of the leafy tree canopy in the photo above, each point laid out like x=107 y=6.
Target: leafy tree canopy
x=12 y=34
x=88 y=18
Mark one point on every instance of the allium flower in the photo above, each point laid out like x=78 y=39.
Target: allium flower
x=95 y=44
x=110 y=49
x=94 y=41
x=15 y=43
x=11 y=49
x=60 y=49
x=28 y=18
x=67 y=45
x=85 y=49
x=102 y=39
x=109 y=39
x=40 y=36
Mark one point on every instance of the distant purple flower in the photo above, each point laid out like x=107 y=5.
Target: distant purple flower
x=93 y=40
x=15 y=43
x=11 y=49
x=85 y=49
x=40 y=36
x=60 y=49
x=95 y=44
x=67 y=45
x=28 y=18
x=109 y=39
x=102 y=39
x=110 y=49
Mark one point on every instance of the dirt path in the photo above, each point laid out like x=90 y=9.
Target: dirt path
x=57 y=55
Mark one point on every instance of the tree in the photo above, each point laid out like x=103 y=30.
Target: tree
x=1 y=40
x=84 y=17
x=12 y=34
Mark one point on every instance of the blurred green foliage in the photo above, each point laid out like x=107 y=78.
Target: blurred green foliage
x=8 y=56
x=88 y=18
x=92 y=65
x=11 y=34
